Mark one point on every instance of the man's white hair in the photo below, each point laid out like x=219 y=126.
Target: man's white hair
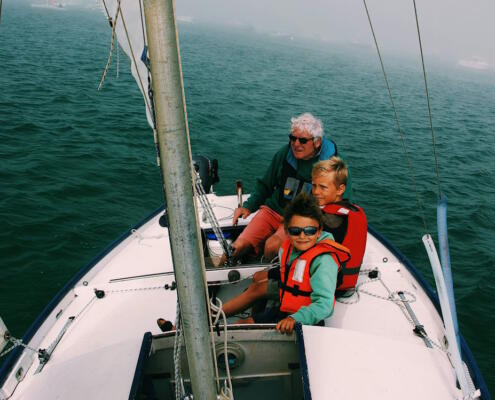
x=309 y=123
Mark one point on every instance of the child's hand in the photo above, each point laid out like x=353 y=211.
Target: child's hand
x=286 y=325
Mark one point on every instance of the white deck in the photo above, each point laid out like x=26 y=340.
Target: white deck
x=96 y=357
x=352 y=365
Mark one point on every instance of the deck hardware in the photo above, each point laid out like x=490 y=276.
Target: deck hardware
x=99 y=293
x=235 y=355
x=238 y=190
x=172 y=286
x=163 y=221
x=85 y=283
x=234 y=276
x=19 y=374
x=385 y=259
x=45 y=354
x=373 y=274
x=418 y=328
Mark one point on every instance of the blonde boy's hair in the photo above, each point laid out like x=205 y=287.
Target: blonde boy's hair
x=334 y=164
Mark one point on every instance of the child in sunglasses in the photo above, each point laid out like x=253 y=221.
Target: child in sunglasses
x=310 y=260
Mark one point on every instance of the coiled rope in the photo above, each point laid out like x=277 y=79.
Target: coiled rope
x=226 y=393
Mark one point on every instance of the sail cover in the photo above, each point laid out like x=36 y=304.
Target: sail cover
x=127 y=20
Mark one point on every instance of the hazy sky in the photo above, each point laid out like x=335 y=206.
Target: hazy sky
x=453 y=30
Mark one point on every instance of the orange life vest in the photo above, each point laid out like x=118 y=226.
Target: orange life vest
x=354 y=240
x=295 y=288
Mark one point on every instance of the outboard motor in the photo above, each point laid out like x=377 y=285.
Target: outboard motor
x=208 y=171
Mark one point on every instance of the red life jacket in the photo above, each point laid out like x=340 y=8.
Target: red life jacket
x=354 y=240
x=295 y=288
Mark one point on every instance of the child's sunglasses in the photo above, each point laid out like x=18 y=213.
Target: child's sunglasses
x=302 y=140
x=296 y=230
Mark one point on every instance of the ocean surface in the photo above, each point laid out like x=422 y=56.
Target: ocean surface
x=78 y=166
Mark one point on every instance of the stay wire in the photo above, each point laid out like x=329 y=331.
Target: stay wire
x=142 y=22
x=108 y=14
x=396 y=116
x=427 y=99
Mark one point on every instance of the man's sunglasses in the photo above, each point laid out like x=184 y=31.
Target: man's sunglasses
x=296 y=230
x=302 y=140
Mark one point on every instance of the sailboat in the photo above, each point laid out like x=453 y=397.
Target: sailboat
x=98 y=338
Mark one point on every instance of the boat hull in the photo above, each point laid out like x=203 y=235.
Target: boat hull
x=135 y=280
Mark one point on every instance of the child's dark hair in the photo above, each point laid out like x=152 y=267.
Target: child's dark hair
x=305 y=205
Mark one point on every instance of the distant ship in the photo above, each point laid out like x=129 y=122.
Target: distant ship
x=474 y=63
x=50 y=4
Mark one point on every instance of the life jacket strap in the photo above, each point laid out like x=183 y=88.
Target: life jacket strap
x=295 y=291
x=350 y=271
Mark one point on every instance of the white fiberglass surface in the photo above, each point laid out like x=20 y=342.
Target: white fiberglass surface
x=353 y=365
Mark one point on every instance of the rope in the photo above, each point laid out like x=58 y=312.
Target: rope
x=179 y=386
x=135 y=232
x=207 y=209
x=108 y=14
x=226 y=392
x=135 y=289
x=16 y=343
x=396 y=116
x=392 y=296
x=228 y=217
x=219 y=234
x=427 y=100
x=118 y=60
x=109 y=60
x=119 y=12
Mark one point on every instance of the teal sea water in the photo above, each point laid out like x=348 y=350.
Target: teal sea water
x=78 y=165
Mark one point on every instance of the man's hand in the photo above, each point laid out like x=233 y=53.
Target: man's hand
x=286 y=325
x=241 y=212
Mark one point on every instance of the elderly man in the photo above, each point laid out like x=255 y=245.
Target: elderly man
x=288 y=174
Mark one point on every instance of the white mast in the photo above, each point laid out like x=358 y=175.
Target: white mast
x=175 y=161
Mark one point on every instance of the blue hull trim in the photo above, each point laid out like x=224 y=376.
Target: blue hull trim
x=15 y=354
x=143 y=356
x=467 y=356
x=302 y=359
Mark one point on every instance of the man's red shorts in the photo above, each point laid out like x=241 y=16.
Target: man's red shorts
x=264 y=224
